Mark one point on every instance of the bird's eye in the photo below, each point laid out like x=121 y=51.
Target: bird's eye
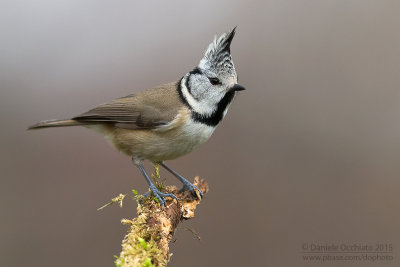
x=214 y=81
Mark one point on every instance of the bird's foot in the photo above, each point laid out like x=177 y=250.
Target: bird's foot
x=186 y=184
x=191 y=187
x=160 y=196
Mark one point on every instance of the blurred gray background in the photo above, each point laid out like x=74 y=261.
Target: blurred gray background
x=308 y=154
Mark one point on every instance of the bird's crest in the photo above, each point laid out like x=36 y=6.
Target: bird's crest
x=218 y=54
x=220 y=45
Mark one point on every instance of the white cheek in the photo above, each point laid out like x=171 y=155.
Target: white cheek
x=199 y=107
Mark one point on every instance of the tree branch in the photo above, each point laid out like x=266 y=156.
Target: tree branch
x=146 y=242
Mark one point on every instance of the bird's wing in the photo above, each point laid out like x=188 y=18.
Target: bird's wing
x=148 y=109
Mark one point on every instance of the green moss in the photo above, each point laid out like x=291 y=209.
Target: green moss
x=143 y=243
x=147 y=263
x=139 y=248
x=119 y=261
x=156 y=177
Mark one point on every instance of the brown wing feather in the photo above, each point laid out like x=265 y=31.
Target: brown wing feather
x=146 y=110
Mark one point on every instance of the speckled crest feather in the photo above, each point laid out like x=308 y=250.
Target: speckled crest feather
x=217 y=56
x=220 y=45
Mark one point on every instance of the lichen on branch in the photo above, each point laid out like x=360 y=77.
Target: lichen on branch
x=146 y=242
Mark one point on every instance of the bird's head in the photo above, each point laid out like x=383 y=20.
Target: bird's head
x=214 y=79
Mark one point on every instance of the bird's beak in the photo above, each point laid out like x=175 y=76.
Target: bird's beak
x=237 y=87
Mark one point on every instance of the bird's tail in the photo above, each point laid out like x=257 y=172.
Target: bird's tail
x=55 y=123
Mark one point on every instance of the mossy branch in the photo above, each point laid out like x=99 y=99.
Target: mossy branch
x=146 y=242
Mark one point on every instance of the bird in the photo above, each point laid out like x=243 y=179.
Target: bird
x=170 y=120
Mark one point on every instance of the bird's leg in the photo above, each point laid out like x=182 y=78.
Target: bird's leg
x=157 y=193
x=186 y=184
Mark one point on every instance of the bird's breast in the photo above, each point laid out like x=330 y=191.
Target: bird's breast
x=176 y=139
x=195 y=133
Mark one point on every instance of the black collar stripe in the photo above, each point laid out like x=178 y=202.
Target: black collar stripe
x=181 y=96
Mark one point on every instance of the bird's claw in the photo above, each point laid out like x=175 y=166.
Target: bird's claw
x=191 y=187
x=160 y=195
